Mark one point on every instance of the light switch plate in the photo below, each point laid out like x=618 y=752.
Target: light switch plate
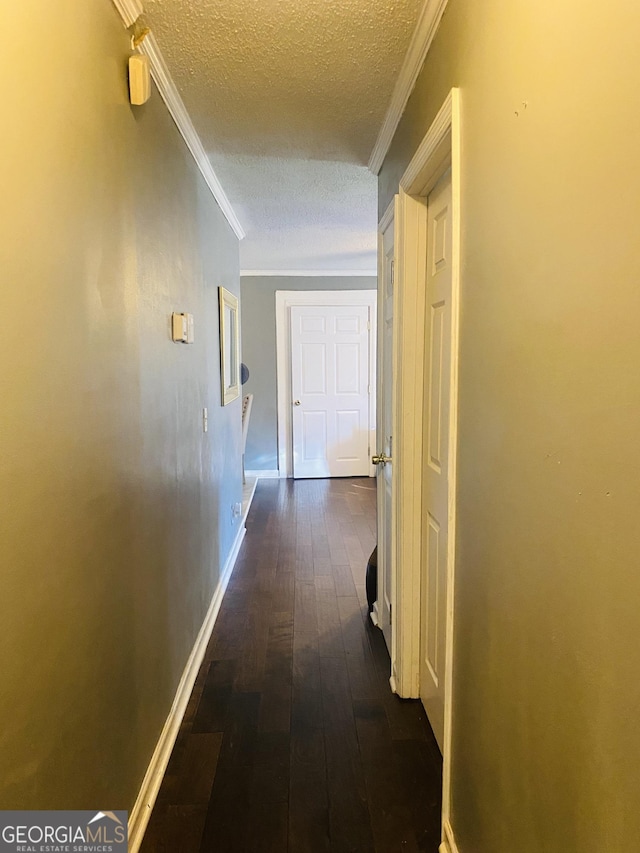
x=182 y=328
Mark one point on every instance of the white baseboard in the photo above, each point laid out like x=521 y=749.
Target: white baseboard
x=448 y=841
x=264 y=475
x=145 y=801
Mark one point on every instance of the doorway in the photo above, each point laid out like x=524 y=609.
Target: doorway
x=424 y=427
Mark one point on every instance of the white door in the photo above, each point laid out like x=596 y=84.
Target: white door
x=436 y=455
x=330 y=376
x=384 y=604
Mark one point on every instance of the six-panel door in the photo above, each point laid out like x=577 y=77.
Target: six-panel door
x=330 y=375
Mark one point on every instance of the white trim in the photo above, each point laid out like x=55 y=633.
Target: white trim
x=178 y=111
x=129 y=10
x=284 y=300
x=456 y=160
x=426 y=164
x=439 y=150
x=229 y=320
x=305 y=273
x=423 y=36
x=448 y=839
x=150 y=787
x=273 y=474
x=385 y=222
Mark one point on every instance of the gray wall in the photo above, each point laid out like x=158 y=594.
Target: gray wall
x=546 y=689
x=259 y=353
x=115 y=515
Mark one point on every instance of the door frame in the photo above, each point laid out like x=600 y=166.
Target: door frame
x=438 y=151
x=285 y=299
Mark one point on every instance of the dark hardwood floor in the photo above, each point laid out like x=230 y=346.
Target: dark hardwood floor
x=292 y=740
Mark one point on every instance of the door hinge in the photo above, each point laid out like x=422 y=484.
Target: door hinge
x=369 y=390
x=368 y=325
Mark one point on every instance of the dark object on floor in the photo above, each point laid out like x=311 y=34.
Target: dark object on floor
x=371 y=581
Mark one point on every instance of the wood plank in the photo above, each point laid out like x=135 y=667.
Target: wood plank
x=349 y=823
x=175 y=829
x=275 y=706
x=268 y=827
x=211 y=715
x=306 y=704
x=343 y=577
x=305 y=608
x=329 y=628
x=420 y=773
x=308 y=795
x=270 y=779
x=189 y=779
x=389 y=810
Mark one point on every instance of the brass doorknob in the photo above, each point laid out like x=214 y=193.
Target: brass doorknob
x=380 y=459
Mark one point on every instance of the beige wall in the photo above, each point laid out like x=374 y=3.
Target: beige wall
x=116 y=508
x=547 y=656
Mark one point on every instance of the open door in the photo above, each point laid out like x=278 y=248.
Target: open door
x=383 y=610
x=436 y=462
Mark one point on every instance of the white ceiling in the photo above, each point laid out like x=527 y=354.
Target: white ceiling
x=288 y=97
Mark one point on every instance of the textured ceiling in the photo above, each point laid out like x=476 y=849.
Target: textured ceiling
x=288 y=97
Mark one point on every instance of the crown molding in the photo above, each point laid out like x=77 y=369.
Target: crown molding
x=129 y=10
x=307 y=273
x=170 y=95
x=176 y=107
x=417 y=51
x=435 y=136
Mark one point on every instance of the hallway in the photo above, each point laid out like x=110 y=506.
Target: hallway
x=292 y=740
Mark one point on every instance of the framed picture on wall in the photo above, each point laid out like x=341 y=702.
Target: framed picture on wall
x=229 y=347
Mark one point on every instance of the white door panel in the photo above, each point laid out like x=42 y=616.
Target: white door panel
x=435 y=475
x=330 y=367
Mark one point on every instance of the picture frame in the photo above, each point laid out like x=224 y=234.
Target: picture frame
x=229 y=347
